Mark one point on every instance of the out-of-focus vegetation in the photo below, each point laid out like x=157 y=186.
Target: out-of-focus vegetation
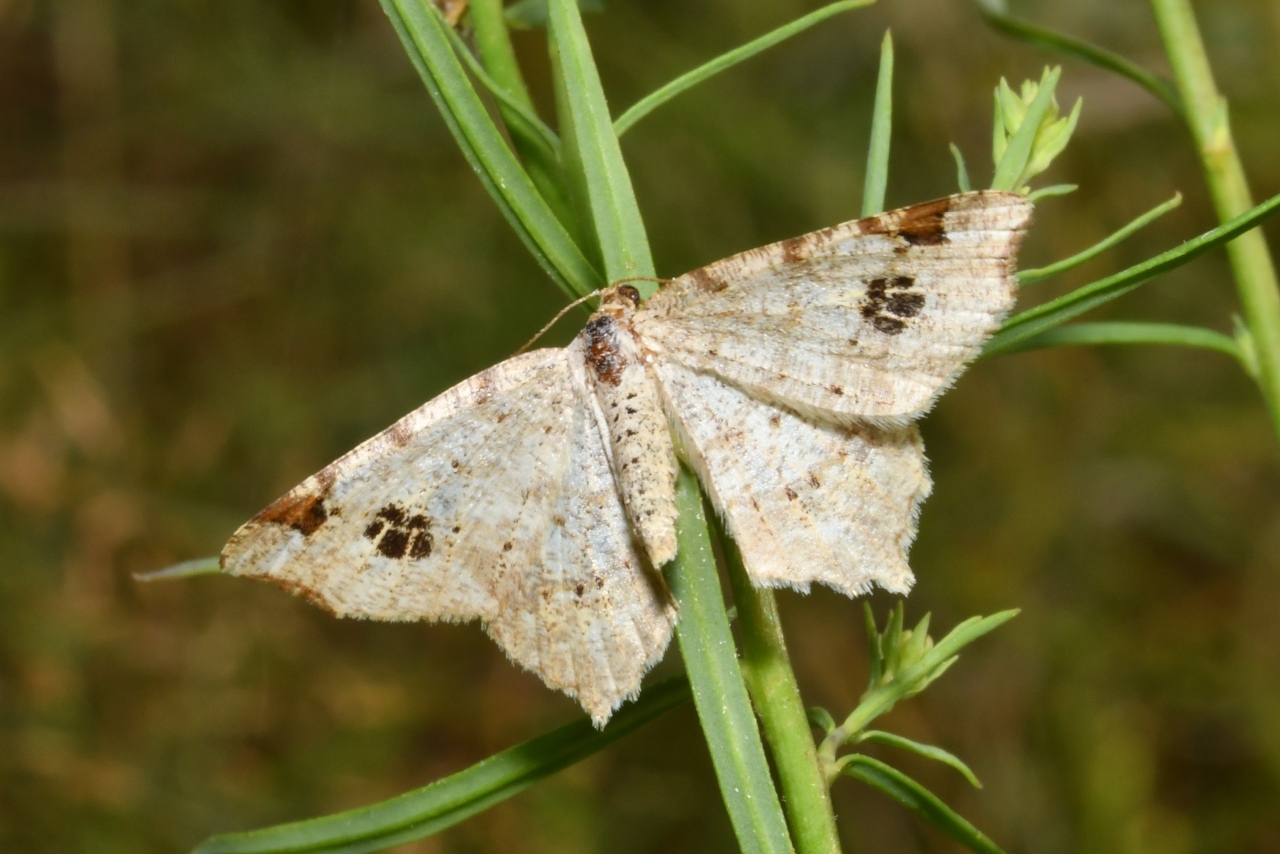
x=235 y=239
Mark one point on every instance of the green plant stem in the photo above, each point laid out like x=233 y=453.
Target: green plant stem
x=766 y=667
x=706 y=643
x=1206 y=112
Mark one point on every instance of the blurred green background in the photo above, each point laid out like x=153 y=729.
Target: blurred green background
x=235 y=239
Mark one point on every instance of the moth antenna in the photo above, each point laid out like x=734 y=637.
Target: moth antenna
x=543 y=331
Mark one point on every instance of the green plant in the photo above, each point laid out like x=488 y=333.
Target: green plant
x=569 y=198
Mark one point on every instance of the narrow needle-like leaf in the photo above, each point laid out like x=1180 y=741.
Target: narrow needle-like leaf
x=422 y=32
x=1027 y=277
x=601 y=177
x=926 y=750
x=962 y=171
x=719 y=693
x=770 y=681
x=1033 y=321
x=689 y=79
x=446 y=802
x=1124 y=332
x=877 y=179
x=519 y=116
x=186 y=569
x=912 y=795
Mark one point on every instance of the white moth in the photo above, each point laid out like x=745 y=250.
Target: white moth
x=538 y=496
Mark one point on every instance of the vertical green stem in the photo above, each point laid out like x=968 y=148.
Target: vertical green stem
x=706 y=643
x=1206 y=112
x=766 y=667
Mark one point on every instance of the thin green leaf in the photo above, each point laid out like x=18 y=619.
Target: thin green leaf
x=914 y=796
x=186 y=569
x=520 y=119
x=771 y=685
x=1082 y=50
x=719 y=693
x=532 y=14
x=874 y=653
x=423 y=34
x=1036 y=320
x=1018 y=153
x=446 y=802
x=1027 y=277
x=499 y=72
x=1124 y=332
x=689 y=79
x=962 y=171
x=877 y=179
x=601 y=178
x=928 y=751
x=493 y=42
x=964 y=634
x=1051 y=190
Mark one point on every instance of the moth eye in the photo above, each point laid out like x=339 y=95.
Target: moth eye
x=630 y=294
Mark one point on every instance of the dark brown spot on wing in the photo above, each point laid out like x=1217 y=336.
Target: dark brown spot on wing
x=791 y=494
x=905 y=305
x=304 y=512
x=918 y=225
x=395 y=532
x=394 y=543
x=888 y=325
x=836 y=390
x=890 y=295
x=922 y=225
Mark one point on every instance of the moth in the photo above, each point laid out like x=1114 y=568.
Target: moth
x=538 y=496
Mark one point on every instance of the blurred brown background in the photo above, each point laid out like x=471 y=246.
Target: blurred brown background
x=235 y=239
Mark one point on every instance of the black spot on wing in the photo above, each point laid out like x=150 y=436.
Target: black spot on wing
x=888 y=301
x=395 y=532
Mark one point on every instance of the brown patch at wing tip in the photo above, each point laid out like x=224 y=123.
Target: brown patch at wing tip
x=304 y=512
x=922 y=225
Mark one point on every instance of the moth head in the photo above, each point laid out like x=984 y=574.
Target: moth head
x=623 y=296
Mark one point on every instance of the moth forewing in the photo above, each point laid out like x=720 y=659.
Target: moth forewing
x=536 y=495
